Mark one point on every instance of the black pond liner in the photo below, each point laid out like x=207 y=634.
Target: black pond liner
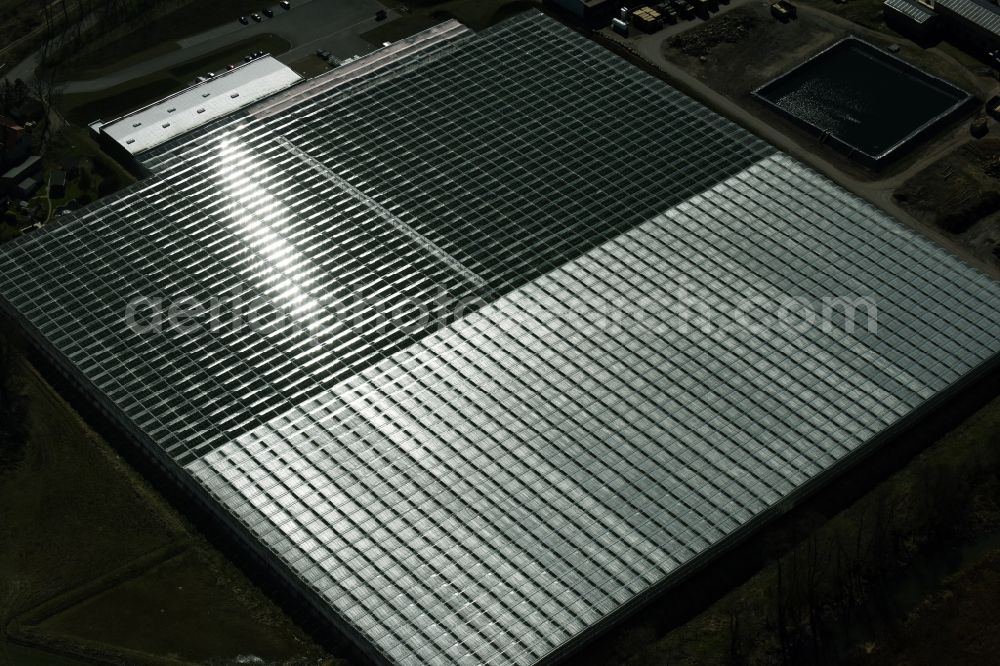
x=865 y=102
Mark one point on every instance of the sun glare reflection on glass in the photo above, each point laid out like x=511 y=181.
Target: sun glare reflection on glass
x=260 y=220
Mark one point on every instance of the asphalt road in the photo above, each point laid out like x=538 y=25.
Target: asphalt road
x=334 y=25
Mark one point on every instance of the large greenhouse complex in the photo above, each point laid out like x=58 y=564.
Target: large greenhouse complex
x=479 y=347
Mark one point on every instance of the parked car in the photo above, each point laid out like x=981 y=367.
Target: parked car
x=256 y=17
x=268 y=12
x=381 y=15
x=285 y=4
x=230 y=67
x=244 y=20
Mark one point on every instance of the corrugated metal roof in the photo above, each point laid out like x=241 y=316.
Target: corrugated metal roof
x=986 y=16
x=916 y=12
x=505 y=361
x=218 y=97
x=15 y=172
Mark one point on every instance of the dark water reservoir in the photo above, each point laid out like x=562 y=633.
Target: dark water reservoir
x=864 y=101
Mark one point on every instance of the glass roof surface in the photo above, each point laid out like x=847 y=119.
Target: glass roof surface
x=473 y=354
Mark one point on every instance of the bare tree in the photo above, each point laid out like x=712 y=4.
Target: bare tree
x=737 y=654
x=41 y=85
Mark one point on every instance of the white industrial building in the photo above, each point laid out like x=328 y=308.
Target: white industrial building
x=173 y=116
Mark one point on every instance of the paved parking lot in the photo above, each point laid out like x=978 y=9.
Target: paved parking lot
x=333 y=25
x=311 y=24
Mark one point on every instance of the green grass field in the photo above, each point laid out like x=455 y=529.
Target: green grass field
x=310 y=66
x=218 y=59
x=93 y=561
